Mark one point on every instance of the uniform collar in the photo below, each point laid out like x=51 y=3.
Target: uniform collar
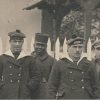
x=44 y=56
x=22 y=54
x=82 y=56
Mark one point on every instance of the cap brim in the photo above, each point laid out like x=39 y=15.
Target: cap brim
x=73 y=40
x=40 y=42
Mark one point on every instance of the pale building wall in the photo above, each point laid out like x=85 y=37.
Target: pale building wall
x=12 y=17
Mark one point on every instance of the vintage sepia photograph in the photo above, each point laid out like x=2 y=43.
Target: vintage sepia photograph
x=50 y=49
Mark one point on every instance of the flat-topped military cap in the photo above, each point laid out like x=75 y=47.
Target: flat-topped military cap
x=75 y=39
x=17 y=34
x=41 y=38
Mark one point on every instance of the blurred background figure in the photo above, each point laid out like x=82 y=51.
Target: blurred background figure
x=96 y=56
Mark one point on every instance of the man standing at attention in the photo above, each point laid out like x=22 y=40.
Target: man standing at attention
x=44 y=62
x=18 y=72
x=73 y=77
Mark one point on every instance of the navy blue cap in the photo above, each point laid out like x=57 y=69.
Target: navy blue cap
x=41 y=38
x=75 y=39
x=17 y=34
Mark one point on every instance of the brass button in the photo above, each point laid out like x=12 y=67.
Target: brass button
x=82 y=80
x=19 y=74
x=2 y=78
x=11 y=80
x=10 y=66
x=72 y=80
x=20 y=68
x=10 y=74
x=18 y=81
x=82 y=87
x=70 y=72
x=82 y=72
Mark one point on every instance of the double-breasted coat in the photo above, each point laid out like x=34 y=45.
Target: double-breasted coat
x=44 y=64
x=18 y=77
x=97 y=65
x=71 y=81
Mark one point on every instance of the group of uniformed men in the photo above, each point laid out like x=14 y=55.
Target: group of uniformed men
x=40 y=76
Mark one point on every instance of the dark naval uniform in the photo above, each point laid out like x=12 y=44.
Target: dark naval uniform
x=44 y=64
x=71 y=81
x=18 y=77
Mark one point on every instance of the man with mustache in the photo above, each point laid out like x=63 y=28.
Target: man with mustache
x=73 y=77
x=19 y=76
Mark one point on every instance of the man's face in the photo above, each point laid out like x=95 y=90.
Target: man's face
x=97 y=51
x=75 y=51
x=40 y=48
x=16 y=45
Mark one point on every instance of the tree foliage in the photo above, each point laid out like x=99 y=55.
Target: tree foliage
x=73 y=23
